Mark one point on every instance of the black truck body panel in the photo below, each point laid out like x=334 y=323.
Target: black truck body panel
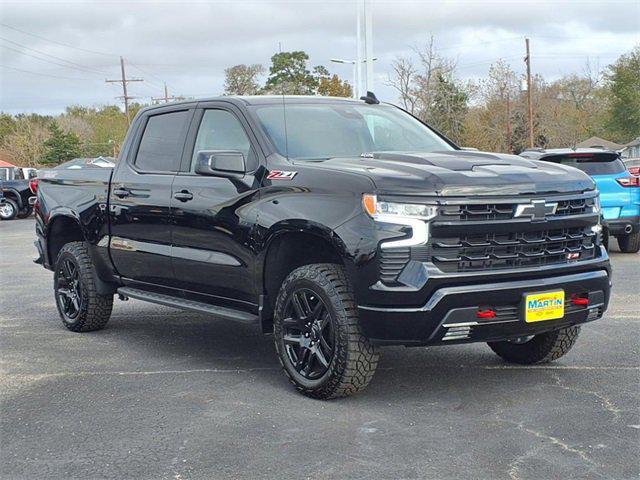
x=215 y=247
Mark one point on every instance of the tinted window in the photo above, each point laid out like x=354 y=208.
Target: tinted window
x=325 y=131
x=591 y=164
x=221 y=130
x=162 y=142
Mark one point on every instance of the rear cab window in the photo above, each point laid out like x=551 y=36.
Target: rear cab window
x=160 y=149
x=605 y=163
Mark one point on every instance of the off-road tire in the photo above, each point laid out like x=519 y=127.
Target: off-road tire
x=354 y=359
x=95 y=309
x=25 y=212
x=605 y=238
x=13 y=205
x=629 y=243
x=542 y=348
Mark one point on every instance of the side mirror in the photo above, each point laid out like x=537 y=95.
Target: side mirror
x=220 y=163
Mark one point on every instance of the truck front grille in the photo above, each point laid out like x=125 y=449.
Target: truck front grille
x=490 y=251
x=469 y=236
x=505 y=211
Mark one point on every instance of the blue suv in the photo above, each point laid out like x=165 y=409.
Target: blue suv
x=619 y=189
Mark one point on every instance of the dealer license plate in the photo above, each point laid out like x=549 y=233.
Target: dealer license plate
x=544 y=306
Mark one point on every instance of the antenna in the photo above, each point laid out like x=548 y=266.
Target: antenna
x=284 y=113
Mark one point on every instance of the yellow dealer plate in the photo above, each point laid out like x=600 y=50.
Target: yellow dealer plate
x=544 y=306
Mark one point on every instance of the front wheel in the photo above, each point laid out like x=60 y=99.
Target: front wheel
x=629 y=243
x=317 y=334
x=80 y=306
x=541 y=348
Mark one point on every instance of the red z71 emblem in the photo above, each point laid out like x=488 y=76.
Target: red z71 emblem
x=281 y=175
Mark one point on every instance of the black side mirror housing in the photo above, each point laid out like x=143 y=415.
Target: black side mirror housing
x=220 y=163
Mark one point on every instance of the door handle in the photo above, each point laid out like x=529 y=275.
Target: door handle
x=121 y=192
x=183 y=196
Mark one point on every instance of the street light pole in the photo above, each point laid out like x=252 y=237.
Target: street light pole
x=355 y=72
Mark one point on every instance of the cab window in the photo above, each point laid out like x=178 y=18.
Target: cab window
x=162 y=142
x=221 y=130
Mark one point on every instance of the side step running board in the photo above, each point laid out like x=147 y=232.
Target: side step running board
x=169 y=301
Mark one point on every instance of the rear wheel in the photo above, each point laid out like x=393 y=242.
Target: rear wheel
x=25 y=212
x=8 y=209
x=542 y=348
x=80 y=306
x=629 y=243
x=317 y=334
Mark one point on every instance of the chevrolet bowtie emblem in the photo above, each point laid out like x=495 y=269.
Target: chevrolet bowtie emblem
x=537 y=210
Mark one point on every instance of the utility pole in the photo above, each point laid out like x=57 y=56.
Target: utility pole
x=368 y=44
x=509 y=141
x=527 y=59
x=358 y=62
x=124 y=80
x=166 y=98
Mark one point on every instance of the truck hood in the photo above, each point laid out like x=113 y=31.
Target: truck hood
x=461 y=173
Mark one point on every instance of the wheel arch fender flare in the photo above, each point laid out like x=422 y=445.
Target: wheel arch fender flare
x=13 y=194
x=62 y=214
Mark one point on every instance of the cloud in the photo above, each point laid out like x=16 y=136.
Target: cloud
x=188 y=44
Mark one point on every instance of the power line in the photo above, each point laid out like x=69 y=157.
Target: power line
x=49 y=61
x=45 y=74
x=152 y=75
x=56 y=42
x=52 y=56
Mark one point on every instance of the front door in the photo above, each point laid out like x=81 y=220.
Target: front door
x=212 y=218
x=140 y=199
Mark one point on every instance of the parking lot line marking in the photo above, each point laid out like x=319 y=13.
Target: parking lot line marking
x=256 y=369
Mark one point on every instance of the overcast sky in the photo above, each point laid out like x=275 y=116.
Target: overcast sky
x=55 y=54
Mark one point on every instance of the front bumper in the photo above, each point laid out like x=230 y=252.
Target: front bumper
x=623 y=225
x=449 y=314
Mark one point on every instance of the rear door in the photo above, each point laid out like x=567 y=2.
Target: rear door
x=140 y=198
x=213 y=215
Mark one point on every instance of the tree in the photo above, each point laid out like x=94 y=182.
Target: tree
x=289 y=75
x=430 y=90
x=24 y=146
x=490 y=124
x=242 y=79
x=61 y=146
x=334 y=87
x=449 y=107
x=403 y=80
x=624 y=94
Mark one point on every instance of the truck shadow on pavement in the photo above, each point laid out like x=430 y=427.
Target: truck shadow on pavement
x=167 y=340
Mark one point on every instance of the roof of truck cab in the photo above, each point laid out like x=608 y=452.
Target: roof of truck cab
x=259 y=100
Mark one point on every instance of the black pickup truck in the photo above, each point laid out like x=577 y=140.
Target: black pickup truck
x=17 y=193
x=337 y=225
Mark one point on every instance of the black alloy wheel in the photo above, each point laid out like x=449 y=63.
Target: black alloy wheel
x=308 y=334
x=317 y=334
x=69 y=289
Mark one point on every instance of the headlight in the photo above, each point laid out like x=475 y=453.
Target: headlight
x=378 y=209
x=412 y=215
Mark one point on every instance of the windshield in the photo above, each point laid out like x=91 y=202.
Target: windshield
x=316 y=132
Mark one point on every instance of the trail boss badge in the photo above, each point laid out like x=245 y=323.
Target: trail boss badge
x=281 y=175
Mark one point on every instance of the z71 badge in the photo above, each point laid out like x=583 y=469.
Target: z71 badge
x=281 y=175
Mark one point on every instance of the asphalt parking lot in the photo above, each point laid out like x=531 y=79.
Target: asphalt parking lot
x=164 y=394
